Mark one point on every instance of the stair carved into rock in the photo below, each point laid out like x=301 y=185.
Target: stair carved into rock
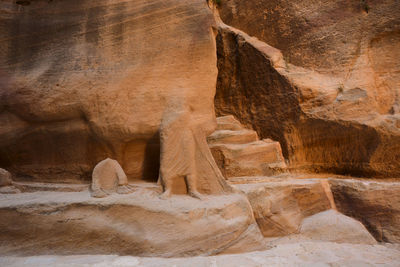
x=239 y=152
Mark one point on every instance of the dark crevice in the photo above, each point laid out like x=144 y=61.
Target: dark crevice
x=23 y=3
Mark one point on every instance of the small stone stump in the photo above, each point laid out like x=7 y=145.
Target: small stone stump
x=6 y=184
x=108 y=177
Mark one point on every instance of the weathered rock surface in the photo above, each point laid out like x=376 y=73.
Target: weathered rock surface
x=239 y=152
x=85 y=80
x=186 y=162
x=333 y=226
x=139 y=223
x=295 y=254
x=325 y=35
x=108 y=177
x=6 y=183
x=280 y=205
x=331 y=97
x=5 y=178
x=375 y=204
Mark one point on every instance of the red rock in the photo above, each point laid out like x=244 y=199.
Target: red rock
x=321 y=79
x=83 y=81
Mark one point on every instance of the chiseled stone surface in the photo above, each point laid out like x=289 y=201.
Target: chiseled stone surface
x=296 y=254
x=239 y=152
x=262 y=157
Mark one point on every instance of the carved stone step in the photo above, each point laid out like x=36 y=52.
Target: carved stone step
x=239 y=152
x=251 y=159
x=228 y=123
x=232 y=137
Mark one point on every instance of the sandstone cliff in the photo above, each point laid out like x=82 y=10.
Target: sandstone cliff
x=85 y=80
x=322 y=78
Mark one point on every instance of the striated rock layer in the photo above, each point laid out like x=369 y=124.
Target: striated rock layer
x=375 y=204
x=330 y=96
x=81 y=81
x=44 y=223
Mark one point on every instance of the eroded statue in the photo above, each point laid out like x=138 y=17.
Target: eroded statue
x=185 y=158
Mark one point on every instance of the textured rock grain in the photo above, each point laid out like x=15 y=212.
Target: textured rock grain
x=321 y=124
x=85 y=80
x=140 y=223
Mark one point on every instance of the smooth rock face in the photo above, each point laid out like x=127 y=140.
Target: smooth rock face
x=375 y=204
x=85 y=80
x=140 y=223
x=321 y=124
x=333 y=226
x=279 y=206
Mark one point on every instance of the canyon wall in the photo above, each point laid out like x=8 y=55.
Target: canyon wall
x=321 y=77
x=81 y=81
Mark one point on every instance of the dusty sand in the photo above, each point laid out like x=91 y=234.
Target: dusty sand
x=294 y=254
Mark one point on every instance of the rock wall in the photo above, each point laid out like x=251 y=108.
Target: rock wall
x=330 y=96
x=328 y=36
x=81 y=81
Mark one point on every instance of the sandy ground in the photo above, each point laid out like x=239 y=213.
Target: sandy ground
x=295 y=254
